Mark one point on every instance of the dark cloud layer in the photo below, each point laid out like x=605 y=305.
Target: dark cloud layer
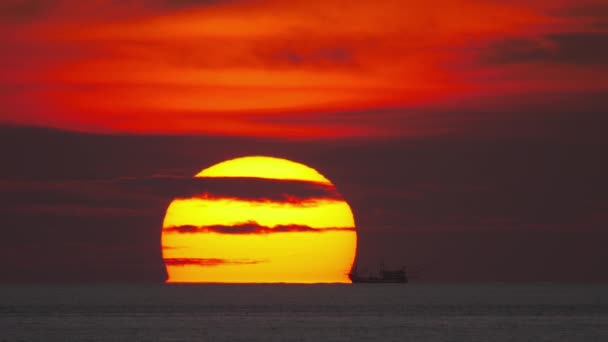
x=265 y=190
x=583 y=10
x=333 y=57
x=66 y=249
x=578 y=48
x=252 y=228
x=137 y=194
x=474 y=209
x=16 y=11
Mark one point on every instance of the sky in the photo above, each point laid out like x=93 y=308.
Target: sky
x=467 y=136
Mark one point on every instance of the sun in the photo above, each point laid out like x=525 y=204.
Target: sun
x=259 y=220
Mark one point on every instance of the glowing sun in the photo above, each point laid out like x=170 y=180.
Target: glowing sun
x=259 y=220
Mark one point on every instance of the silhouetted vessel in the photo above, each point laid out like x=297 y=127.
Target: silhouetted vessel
x=385 y=276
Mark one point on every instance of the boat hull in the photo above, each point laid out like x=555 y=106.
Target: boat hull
x=378 y=281
x=387 y=277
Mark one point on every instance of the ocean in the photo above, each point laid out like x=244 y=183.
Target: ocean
x=361 y=312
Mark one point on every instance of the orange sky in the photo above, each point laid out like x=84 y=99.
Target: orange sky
x=286 y=68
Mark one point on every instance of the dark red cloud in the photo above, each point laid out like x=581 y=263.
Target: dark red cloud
x=210 y=262
x=263 y=190
x=578 y=48
x=583 y=10
x=136 y=195
x=465 y=203
x=328 y=56
x=253 y=228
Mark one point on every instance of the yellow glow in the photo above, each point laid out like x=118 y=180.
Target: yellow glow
x=323 y=254
x=282 y=257
x=205 y=212
x=264 y=167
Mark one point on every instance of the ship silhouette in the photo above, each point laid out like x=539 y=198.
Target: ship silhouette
x=384 y=276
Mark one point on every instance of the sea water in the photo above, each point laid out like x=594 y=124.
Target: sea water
x=361 y=312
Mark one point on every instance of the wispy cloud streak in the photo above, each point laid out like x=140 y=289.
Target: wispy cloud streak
x=207 y=262
x=252 y=228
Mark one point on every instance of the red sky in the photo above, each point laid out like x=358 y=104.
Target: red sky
x=304 y=69
x=469 y=134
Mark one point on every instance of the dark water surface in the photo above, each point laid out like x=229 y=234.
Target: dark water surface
x=372 y=312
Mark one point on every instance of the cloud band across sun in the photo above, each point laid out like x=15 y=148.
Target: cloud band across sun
x=252 y=228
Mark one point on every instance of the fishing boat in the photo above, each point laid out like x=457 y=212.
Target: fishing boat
x=384 y=276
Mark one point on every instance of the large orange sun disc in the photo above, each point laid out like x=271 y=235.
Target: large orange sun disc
x=263 y=220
